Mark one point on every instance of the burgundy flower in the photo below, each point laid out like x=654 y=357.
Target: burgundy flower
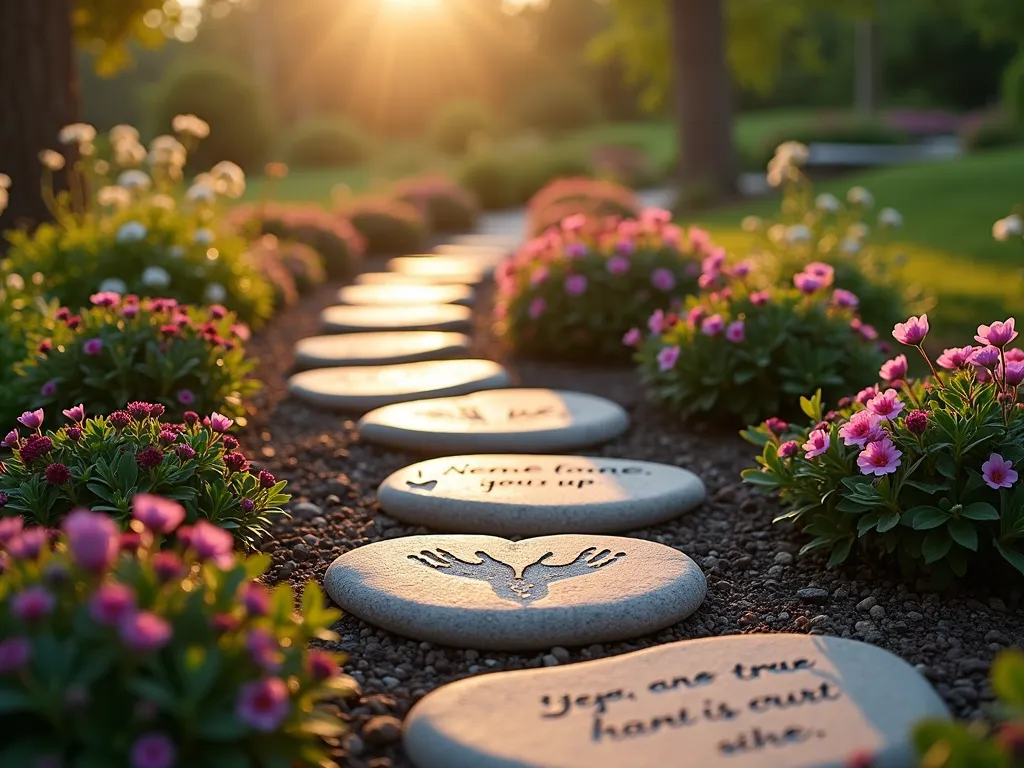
x=3 y=503
x=235 y=462
x=34 y=448
x=167 y=436
x=321 y=665
x=45 y=347
x=74 y=434
x=63 y=314
x=167 y=566
x=57 y=474
x=229 y=443
x=185 y=452
x=266 y=479
x=223 y=622
x=138 y=410
x=76 y=320
x=120 y=419
x=149 y=457
x=190 y=417
x=156 y=410
x=917 y=422
x=15 y=653
x=129 y=541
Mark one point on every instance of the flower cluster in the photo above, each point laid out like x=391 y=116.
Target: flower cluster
x=737 y=351
x=123 y=349
x=388 y=226
x=580 y=195
x=159 y=655
x=291 y=267
x=573 y=291
x=446 y=206
x=102 y=462
x=922 y=467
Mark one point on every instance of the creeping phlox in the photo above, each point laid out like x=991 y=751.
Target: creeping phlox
x=920 y=467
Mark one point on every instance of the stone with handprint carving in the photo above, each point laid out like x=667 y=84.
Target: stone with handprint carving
x=487 y=592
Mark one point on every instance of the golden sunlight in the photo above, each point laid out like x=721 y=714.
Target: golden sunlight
x=411 y=5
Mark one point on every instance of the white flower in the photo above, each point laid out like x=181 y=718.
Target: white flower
x=129 y=154
x=826 y=202
x=176 y=251
x=155 y=277
x=777 y=233
x=890 y=217
x=5 y=181
x=167 y=151
x=204 y=236
x=15 y=282
x=201 y=193
x=850 y=246
x=114 y=284
x=230 y=179
x=114 y=197
x=798 y=233
x=792 y=153
x=751 y=223
x=163 y=202
x=131 y=232
x=858 y=231
x=1011 y=226
x=123 y=134
x=860 y=196
x=53 y=161
x=190 y=125
x=135 y=180
x=102 y=167
x=77 y=133
x=214 y=293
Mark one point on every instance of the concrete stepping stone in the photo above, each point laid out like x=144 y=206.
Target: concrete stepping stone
x=743 y=701
x=524 y=495
x=501 y=421
x=404 y=279
x=405 y=295
x=447 y=267
x=380 y=348
x=361 y=388
x=419 y=317
x=487 y=592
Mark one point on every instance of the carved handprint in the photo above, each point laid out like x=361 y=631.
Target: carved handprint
x=456 y=566
x=584 y=563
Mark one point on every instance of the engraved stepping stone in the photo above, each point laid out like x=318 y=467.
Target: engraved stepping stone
x=360 y=388
x=743 y=701
x=512 y=494
x=500 y=421
x=403 y=279
x=440 y=266
x=405 y=295
x=422 y=317
x=487 y=592
x=382 y=348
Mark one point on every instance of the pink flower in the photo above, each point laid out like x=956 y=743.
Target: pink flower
x=699 y=238
x=186 y=397
x=866 y=394
x=32 y=419
x=817 y=443
x=985 y=357
x=862 y=428
x=671 y=235
x=912 y=332
x=866 y=331
x=15 y=653
x=760 y=298
x=166 y=565
x=845 y=299
x=667 y=358
x=28 y=544
x=219 y=423
x=158 y=514
x=735 y=332
x=997 y=472
x=712 y=263
x=93 y=347
x=887 y=405
x=575 y=284
x=263 y=648
x=576 y=250
x=713 y=325
x=617 y=265
x=76 y=413
x=537 y=307
x=574 y=223
x=11 y=440
x=49 y=389
x=144 y=631
x=742 y=269
x=695 y=316
x=32 y=604
x=211 y=543
x=1014 y=373
x=655 y=216
x=256 y=599
x=656 y=322
x=111 y=603
x=788 y=449
x=632 y=337
x=538 y=276
x=153 y=750
x=821 y=270
x=879 y=458
x=10 y=527
x=263 y=704
x=999 y=334
x=808 y=283
x=92 y=539
x=895 y=369
x=663 y=279
x=1014 y=355
x=955 y=357
x=105 y=298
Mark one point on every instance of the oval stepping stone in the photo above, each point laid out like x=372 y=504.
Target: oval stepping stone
x=361 y=388
x=439 y=266
x=508 y=242
x=425 y=317
x=520 y=420
x=382 y=348
x=488 y=256
x=405 y=295
x=744 y=701
x=510 y=494
x=401 y=278
x=486 y=592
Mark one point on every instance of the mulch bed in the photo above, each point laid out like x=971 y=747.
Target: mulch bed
x=755 y=581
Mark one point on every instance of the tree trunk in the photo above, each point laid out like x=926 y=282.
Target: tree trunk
x=703 y=100
x=38 y=96
x=869 y=67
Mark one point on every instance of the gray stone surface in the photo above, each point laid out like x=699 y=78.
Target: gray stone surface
x=794 y=701
x=405 y=295
x=400 y=278
x=487 y=592
x=425 y=317
x=501 y=421
x=440 y=266
x=380 y=348
x=524 y=495
x=359 y=388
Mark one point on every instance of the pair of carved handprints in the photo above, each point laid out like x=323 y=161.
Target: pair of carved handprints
x=474 y=414
x=521 y=585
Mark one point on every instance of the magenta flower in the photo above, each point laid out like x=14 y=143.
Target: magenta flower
x=186 y=397
x=166 y=565
x=32 y=604
x=632 y=337
x=775 y=425
x=111 y=603
x=955 y=357
x=11 y=439
x=153 y=750
x=538 y=276
x=32 y=419
x=1014 y=373
x=866 y=331
x=895 y=369
x=997 y=472
x=879 y=458
x=256 y=599
x=656 y=322
x=713 y=325
x=808 y=283
x=57 y=474
x=28 y=544
x=863 y=427
x=917 y=422
x=212 y=543
x=105 y=298
x=663 y=279
x=742 y=268
x=817 y=443
x=887 y=404
x=574 y=223
x=264 y=704
x=1014 y=355
x=15 y=653
x=696 y=316
x=575 y=285
x=75 y=413
x=845 y=299
x=999 y=334
x=49 y=389
x=671 y=235
x=821 y=270
x=617 y=265
x=219 y=423
x=10 y=527
x=158 y=514
x=667 y=358
x=699 y=238
x=912 y=332
x=760 y=298
x=985 y=357
x=144 y=631
x=321 y=665
x=576 y=250
x=92 y=539
x=93 y=347
x=788 y=449
x=735 y=332
x=263 y=648
x=537 y=307
x=712 y=263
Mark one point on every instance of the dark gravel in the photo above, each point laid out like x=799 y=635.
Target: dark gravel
x=755 y=581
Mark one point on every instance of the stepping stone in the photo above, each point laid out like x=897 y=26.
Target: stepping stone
x=743 y=701
x=420 y=317
x=522 y=495
x=403 y=279
x=447 y=267
x=486 y=592
x=501 y=421
x=405 y=295
x=508 y=242
x=383 y=348
x=488 y=255
x=359 y=388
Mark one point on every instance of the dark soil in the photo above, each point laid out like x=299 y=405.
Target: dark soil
x=755 y=581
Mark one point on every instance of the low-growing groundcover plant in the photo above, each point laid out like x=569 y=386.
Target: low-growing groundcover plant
x=920 y=469
x=118 y=651
x=572 y=292
x=102 y=462
x=739 y=352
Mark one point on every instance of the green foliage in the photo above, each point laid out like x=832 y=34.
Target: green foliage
x=388 y=226
x=1013 y=90
x=22 y=314
x=493 y=180
x=166 y=647
x=839 y=130
x=570 y=196
x=574 y=292
x=330 y=142
x=994 y=131
x=458 y=125
x=446 y=206
x=555 y=106
x=535 y=169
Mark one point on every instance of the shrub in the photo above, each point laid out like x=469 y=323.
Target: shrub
x=1013 y=90
x=558 y=105
x=575 y=291
x=492 y=179
x=303 y=263
x=227 y=97
x=153 y=655
x=265 y=255
x=23 y=314
x=627 y=165
x=916 y=469
x=538 y=168
x=388 y=226
x=829 y=131
x=325 y=142
x=570 y=196
x=446 y=206
x=459 y=124
x=181 y=357
x=994 y=131
x=738 y=353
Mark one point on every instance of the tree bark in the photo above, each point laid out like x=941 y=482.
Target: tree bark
x=703 y=100
x=38 y=96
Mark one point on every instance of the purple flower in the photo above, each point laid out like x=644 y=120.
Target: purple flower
x=713 y=325
x=997 y=472
x=895 y=369
x=866 y=394
x=667 y=358
x=1014 y=373
x=74 y=434
x=760 y=298
x=862 y=428
x=11 y=440
x=917 y=422
x=57 y=474
x=632 y=337
x=575 y=284
x=211 y=542
x=537 y=307
x=185 y=452
x=663 y=279
x=735 y=332
x=186 y=397
x=817 y=443
x=144 y=631
x=866 y=331
x=264 y=704
x=321 y=665
x=120 y=419
x=576 y=250
x=9 y=528
x=985 y=357
x=75 y=413
x=153 y=750
x=32 y=419
x=845 y=299
x=879 y=458
x=822 y=270
x=887 y=405
x=617 y=265
x=263 y=648
x=695 y=316
x=912 y=332
x=247 y=505
x=256 y=599
x=1014 y=355
x=15 y=653
x=34 y=604
x=955 y=357
x=28 y=544
x=266 y=479
x=235 y=462
x=808 y=283
x=219 y=423
x=138 y=410
x=49 y=389
x=34 y=448
x=742 y=269
x=999 y=334
x=93 y=347
x=158 y=514
x=788 y=449
x=656 y=322
x=111 y=603
x=92 y=539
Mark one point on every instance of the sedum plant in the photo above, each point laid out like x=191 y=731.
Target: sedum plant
x=101 y=463
x=572 y=292
x=920 y=469
x=157 y=648
x=736 y=352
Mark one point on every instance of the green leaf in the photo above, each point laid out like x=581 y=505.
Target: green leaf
x=867 y=523
x=936 y=544
x=888 y=521
x=127 y=473
x=979 y=510
x=1012 y=556
x=759 y=477
x=929 y=488
x=946 y=466
x=14 y=701
x=1008 y=678
x=928 y=517
x=221 y=726
x=963 y=533
x=840 y=552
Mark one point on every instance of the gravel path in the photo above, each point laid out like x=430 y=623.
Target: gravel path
x=755 y=582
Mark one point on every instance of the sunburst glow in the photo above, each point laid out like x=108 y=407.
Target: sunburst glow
x=411 y=5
